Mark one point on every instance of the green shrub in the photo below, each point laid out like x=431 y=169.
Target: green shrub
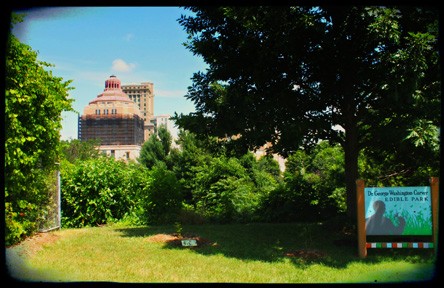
x=25 y=208
x=139 y=182
x=313 y=187
x=285 y=205
x=163 y=200
x=94 y=193
x=223 y=191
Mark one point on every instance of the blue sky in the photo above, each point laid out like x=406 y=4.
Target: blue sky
x=137 y=44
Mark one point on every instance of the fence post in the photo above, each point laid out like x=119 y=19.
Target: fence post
x=362 y=249
x=59 y=200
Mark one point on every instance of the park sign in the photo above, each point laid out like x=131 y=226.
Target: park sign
x=398 y=210
x=397 y=217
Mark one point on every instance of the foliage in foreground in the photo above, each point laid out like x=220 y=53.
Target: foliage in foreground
x=34 y=101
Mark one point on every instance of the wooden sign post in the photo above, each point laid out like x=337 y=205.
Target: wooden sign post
x=434 y=185
x=362 y=239
x=406 y=212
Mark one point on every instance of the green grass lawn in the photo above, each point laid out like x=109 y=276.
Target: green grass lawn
x=250 y=253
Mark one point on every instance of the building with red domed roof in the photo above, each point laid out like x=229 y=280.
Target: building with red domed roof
x=115 y=120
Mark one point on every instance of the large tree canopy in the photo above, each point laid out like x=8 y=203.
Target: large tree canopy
x=290 y=75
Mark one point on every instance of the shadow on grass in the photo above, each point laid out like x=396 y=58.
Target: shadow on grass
x=303 y=244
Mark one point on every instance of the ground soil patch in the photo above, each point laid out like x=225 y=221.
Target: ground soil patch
x=35 y=243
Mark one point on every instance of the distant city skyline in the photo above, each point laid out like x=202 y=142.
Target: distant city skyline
x=136 y=44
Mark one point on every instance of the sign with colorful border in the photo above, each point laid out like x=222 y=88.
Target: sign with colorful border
x=376 y=196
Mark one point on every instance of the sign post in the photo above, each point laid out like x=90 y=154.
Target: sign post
x=362 y=249
x=434 y=185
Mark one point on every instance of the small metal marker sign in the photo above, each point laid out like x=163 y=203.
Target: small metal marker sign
x=189 y=242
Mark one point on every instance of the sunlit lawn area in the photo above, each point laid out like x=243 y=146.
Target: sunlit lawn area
x=250 y=253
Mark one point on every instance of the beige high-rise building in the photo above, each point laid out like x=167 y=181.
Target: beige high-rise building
x=143 y=95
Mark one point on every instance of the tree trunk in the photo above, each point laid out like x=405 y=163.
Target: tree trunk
x=351 y=151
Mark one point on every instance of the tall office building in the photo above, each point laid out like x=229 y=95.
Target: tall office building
x=161 y=120
x=143 y=95
x=114 y=119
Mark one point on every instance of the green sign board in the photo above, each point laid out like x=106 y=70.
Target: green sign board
x=398 y=210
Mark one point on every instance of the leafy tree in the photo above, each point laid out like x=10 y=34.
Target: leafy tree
x=157 y=148
x=34 y=101
x=165 y=138
x=192 y=153
x=223 y=191
x=268 y=164
x=163 y=201
x=77 y=150
x=290 y=75
x=313 y=187
x=265 y=172
x=138 y=184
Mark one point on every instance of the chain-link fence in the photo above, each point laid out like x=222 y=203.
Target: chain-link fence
x=50 y=218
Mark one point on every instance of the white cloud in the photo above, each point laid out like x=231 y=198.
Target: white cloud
x=120 y=65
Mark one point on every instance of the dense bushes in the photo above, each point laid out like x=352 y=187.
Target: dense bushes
x=94 y=192
x=224 y=192
x=24 y=207
x=199 y=184
x=313 y=189
x=217 y=188
x=163 y=201
x=206 y=184
x=212 y=186
x=103 y=190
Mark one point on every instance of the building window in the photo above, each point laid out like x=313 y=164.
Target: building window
x=113 y=153
x=97 y=111
x=113 y=111
x=127 y=155
x=105 y=112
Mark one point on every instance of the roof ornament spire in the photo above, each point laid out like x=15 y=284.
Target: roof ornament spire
x=112 y=83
